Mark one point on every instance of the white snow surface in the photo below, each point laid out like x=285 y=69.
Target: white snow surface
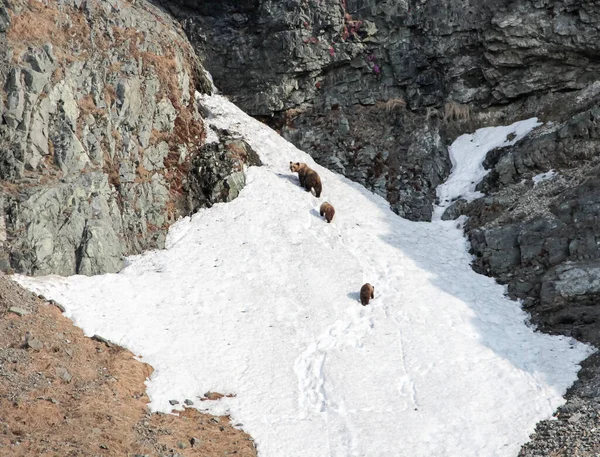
x=467 y=154
x=543 y=177
x=259 y=298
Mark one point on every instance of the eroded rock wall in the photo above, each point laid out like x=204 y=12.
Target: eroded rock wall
x=99 y=125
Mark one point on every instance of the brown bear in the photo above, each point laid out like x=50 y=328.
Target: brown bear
x=367 y=291
x=328 y=210
x=309 y=179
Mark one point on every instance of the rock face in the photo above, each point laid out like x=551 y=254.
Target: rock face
x=376 y=89
x=217 y=171
x=99 y=126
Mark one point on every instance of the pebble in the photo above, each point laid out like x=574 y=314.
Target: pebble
x=173 y=402
x=188 y=402
x=102 y=340
x=182 y=445
x=64 y=374
x=58 y=305
x=194 y=442
x=575 y=417
x=18 y=311
x=35 y=344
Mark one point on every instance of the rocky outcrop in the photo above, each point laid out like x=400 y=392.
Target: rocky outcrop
x=217 y=172
x=99 y=126
x=537 y=231
x=426 y=52
x=529 y=232
x=376 y=89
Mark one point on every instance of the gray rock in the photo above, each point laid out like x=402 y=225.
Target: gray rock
x=217 y=172
x=58 y=305
x=64 y=374
x=4 y=19
x=155 y=156
x=541 y=241
x=102 y=340
x=188 y=402
x=18 y=311
x=572 y=280
x=165 y=115
x=173 y=402
x=455 y=210
x=35 y=344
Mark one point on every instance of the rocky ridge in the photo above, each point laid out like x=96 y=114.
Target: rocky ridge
x=99 y=115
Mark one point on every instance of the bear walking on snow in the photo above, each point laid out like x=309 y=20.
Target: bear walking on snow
x=328 y=210
x=309 y=179
x=367 y=291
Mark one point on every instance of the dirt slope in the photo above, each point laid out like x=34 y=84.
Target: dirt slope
x=63 y=394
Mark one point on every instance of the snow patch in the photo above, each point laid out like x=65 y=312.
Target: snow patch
x=213 y=88
x=467 y=154
x=543 y=177
x=211 y=135
x=259 y=297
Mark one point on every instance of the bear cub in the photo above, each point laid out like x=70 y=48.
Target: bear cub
x=328 y=210
x=309 y=179
x=367 y=291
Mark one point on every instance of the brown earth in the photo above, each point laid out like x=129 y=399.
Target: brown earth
x=64 y=394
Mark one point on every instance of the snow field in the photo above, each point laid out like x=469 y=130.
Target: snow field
x=259 y=298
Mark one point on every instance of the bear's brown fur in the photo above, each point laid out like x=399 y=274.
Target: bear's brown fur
x=328 y=210
x=309 y=179
x=367 y=291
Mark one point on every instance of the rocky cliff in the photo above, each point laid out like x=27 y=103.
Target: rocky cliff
x=375 y=89
x=99 y=131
